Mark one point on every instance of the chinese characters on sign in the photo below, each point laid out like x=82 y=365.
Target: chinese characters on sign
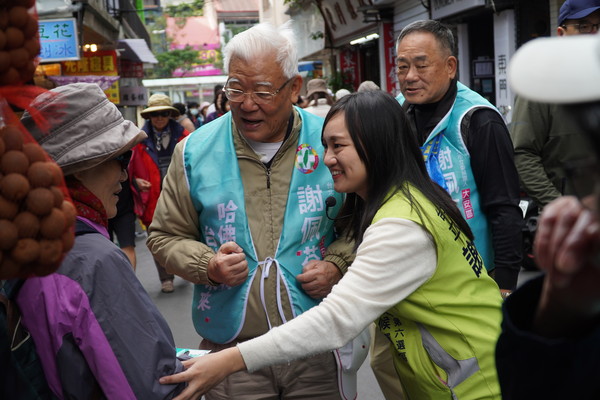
x=58 y=40
x=349 y=65
x=93 y=63
x=389 y=45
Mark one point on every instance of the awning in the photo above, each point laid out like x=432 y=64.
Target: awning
x=136 y=50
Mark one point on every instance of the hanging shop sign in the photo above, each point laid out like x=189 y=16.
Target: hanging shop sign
x=131 y=69
x=133 y=96
x=103 y=62
x=98 y=67
x=344 y=19
x=58 y=40
x=504 y=48
x=389 y=51
x=349 y=65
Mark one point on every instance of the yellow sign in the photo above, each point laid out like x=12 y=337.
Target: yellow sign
x=113 y=93
x=93 y=63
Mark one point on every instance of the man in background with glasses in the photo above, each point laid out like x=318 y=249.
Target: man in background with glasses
x=243 y=215
x=550 y=342
x=544 y=137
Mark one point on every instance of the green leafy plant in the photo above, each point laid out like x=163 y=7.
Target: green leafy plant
x=194 y=8
x=169 y=61
x=340 y=80
x=182 y=11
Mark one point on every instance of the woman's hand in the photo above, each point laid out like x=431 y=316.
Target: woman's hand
x=202 y=373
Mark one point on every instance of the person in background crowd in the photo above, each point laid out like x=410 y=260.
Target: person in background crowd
x=183 y=119
x=203 y=111
x=149 y=164
x=467 y=151
x=416 y=272
x=213 y=106
x=543 y=136
x=319 y=99
x=222 y=106
x=193 y=113
x=301 y=102
x=122 y=225
x=97 y=332
x=549 y=347
x=367 y=85
x=341 y=93
x=242 y=215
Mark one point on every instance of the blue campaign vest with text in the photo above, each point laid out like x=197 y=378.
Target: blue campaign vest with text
x=217 y=192
x=449 y=164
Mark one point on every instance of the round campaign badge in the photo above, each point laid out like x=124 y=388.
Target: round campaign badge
x=307 y=158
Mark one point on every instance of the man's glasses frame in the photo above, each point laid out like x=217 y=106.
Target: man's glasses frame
x=237 y=96
x=584 y=27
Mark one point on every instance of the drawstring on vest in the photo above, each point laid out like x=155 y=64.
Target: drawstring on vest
x=266 y=264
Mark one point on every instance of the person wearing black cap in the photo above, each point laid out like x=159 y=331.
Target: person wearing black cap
x=544 y=137
x=549 y=347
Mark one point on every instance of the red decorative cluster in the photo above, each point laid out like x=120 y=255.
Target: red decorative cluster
x=35 y=218
x=19 y=42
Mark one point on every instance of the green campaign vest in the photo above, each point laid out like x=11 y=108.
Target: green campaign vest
x=217 y=192
x=444 y=334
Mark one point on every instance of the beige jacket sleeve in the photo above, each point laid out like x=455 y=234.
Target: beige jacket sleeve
x=341 y=253
x=173 y=235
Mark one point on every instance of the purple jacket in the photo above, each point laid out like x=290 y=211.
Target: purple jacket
x=96 y=330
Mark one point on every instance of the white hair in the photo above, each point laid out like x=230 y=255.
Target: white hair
x=262 y=39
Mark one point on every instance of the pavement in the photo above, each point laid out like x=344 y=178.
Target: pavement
x=176 y=308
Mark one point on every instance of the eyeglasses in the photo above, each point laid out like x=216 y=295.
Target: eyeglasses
x=237 y=96
x=164 y=113
x=584 y=27
x=124 y=159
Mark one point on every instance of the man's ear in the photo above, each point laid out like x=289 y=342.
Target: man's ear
x=296 y=85
x=451 y=66
x=560 y=31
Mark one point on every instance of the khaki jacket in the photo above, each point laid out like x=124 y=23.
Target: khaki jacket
x=174 y=233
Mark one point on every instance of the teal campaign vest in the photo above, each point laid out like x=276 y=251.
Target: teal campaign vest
x=449 y=165
x=217 y=192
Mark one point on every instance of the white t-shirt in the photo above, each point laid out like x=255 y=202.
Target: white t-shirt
x=266 y=151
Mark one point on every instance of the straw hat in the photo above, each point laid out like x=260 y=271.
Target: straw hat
x=86 y=129
x=159 y=102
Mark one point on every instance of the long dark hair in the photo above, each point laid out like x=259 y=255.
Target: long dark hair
x=384 y=141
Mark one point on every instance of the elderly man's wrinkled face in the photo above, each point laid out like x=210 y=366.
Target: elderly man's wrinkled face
x=424 y=69
x=265 y=122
